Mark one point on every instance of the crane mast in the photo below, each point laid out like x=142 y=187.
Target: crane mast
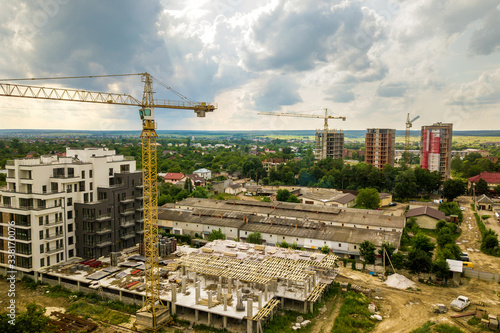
x=409 y=124
x=153 y=312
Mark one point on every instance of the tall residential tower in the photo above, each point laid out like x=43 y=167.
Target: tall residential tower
x=380 y=146
x=436 y=143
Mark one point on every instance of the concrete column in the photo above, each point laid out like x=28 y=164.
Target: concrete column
x=305 y=306
x=183 y=285
x=59 y=279
x=229 y=285
x=121 y=295
x=173 y=289
x=249 y=315
x=183 y=270
x=36 y=276
x=265 y=293
x=78 y=285
x=224 y=321
x=311 y=306
x=195 y=277
x=225 y=302
x=196 y=315
x=306 y=289
x=220 y=279
x=260 y=300
x=219 y=292
x=209 y=299
x=237 y=284
x=209 y=319
x=197 y=293
x=282 y=303
x=315 y=278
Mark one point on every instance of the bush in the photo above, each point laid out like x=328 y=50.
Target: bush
x=353 y=315
x=485 y=217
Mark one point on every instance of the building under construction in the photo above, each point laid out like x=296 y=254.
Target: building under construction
x=225 y=284
x=436 y=148
x=329 y=143
x=380 y=146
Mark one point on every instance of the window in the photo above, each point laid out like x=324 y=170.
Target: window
x=85 y=197
x=70 y=202
x=41 y=234
x=340 y=245
x=70 y=214
x=83 y=174
x=70 y=227
x=40 y=220
x=48 y=261
x=44 y=189
x=70 y=240
x=355 y=247
x=90 y=173
x=283 y=237
x=41 y=248
x=69 y=188
x=82 y=186
x=91 y=186
x=42 y=262
x=71 y=254
x=111 y=171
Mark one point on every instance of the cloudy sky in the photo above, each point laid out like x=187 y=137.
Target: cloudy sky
x=372 y=61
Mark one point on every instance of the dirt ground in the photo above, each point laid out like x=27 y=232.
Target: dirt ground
x=470 y=239
x=405 y=310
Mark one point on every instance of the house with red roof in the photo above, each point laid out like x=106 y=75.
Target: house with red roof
x=174 y=177
x=492 y=178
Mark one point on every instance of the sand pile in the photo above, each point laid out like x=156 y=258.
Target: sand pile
x=398 y=281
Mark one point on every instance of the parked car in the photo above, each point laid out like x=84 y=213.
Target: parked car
x=468 y=264
x=464 y=256
x=460 y=303
x=393 y=204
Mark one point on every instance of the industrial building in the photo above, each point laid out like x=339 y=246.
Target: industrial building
x=436 y=144
x=380 y=146
x=225 y=284
x=50 y=200
x=307 y=226
x=329 y=143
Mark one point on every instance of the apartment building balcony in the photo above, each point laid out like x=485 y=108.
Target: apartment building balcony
x=128 y=235
x=128 y=211
x=51 y=238
x=139 y=198
x=103 y=217
x=104 y=243
x=53 y=223
x=27 y=207
x=140 y=231
x=127 y=200
x=54 y=250
x=30 y=192
x=127 y=224
x=139 y=209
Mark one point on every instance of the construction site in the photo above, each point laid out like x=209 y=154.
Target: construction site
x=223 y=284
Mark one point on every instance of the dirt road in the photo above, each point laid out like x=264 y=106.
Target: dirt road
x=405 y=310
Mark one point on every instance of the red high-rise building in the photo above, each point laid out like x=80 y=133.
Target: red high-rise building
x=436 y=148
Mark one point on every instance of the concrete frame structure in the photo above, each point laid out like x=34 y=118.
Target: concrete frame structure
x=380 y=146
x=40 y=198
x=436 y=144
x=329 y=144
x=223 y=284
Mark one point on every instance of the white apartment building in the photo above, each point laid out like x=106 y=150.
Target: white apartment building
x=40 y=196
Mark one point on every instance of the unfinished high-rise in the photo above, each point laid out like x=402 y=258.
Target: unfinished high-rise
x=436 y=143
x=329 y=143
x=380 y=146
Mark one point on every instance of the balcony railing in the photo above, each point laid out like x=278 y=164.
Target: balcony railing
x=128 y=235
x=103 y=217
x=53 y=223
x=128 y=211
x=27 y=207
x=50 y=238
x=127 y=224
x=127 y=200
x=104 y=243
x=57 y=249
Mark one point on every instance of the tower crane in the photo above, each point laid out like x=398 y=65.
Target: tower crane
x=153 y=312
x=322 y=154
x=409 y=124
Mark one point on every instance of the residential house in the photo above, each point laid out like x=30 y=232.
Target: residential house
x=427 y=217
x=492 y=178
x=174 y=177
x=204 y=173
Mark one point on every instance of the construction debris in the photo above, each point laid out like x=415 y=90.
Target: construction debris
x=399 y=281
x=69 y=323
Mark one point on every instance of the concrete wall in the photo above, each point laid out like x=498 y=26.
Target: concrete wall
x=426 y=222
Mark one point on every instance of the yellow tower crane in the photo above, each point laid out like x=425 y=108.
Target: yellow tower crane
x=409 y=124
x=153 y=313
x=321 y=154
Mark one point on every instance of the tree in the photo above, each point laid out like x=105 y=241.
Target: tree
x=31 y=320
x=398 y=260
x=265 y=199
x=451 y=208
x=450 y=251
x=255 y=238
x=389 y=249
x=406 y=185
x=293 y=198
x=325 y=249
x=453 y=188
x=481 y=187
x=441 y=268
x=423 y=243
x=367 y=251
x=200 y=192
x=497 y=189
x=445 y=236
x=419 y=261
x=282 y=195
x=368 y=198
x=188 y=186
x=216 y=234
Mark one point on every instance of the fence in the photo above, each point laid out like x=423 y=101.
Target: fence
x=486 y=276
